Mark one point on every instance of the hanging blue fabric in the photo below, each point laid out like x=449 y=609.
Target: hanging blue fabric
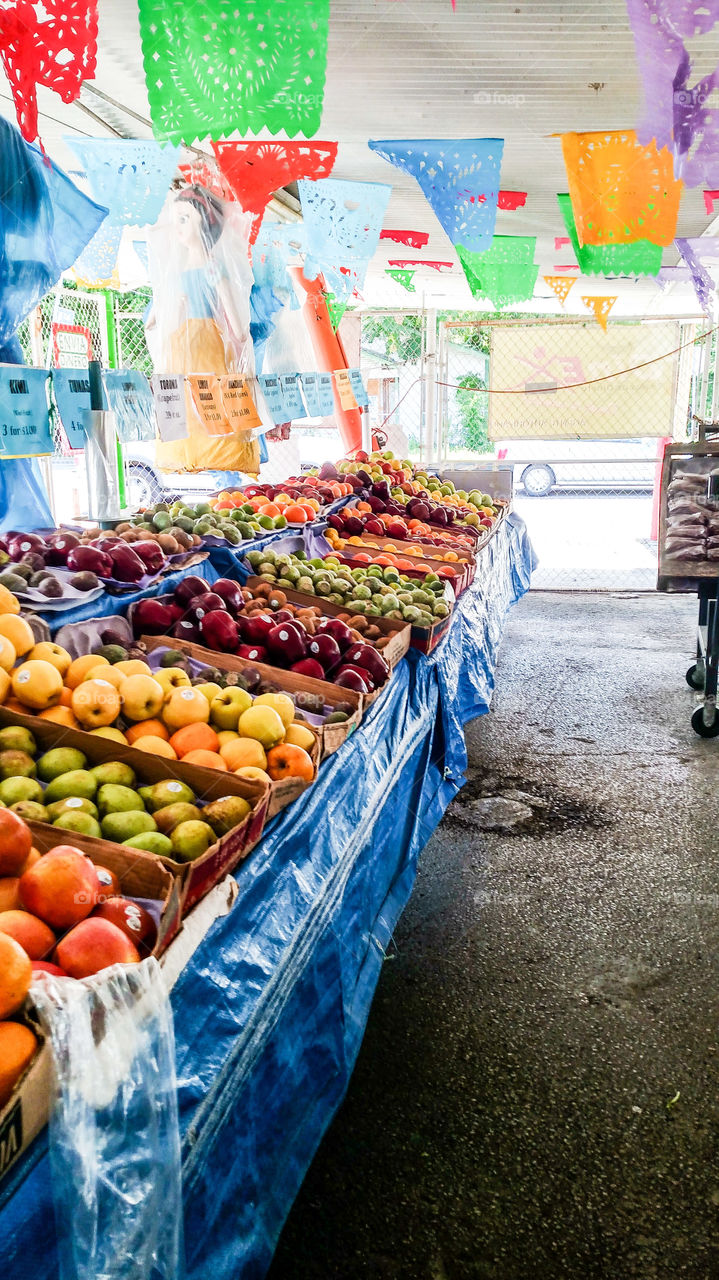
x=342 y=222
x=23 y=500
x=460 y=179
x=264 y=304
x=44 y=224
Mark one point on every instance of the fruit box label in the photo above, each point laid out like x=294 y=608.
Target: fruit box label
x=10 y=1137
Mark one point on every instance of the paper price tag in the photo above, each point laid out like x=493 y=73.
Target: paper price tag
x=207 y=399
x=24 y=414
x=325 y=388
x=168 y=390
x=311 y=393
x=128 y=392
x=71 y=389
x=344 y=387
x=238 y=403
x=294 y=404
x=358 y=387
x=272 y=391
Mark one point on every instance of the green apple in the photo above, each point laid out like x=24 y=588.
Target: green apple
x=227 y=707
x=58 y=761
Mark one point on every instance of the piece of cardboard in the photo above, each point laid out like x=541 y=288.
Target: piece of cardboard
x=26 y=1112
x=208 y=784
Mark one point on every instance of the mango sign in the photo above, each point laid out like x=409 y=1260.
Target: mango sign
x=539 y=361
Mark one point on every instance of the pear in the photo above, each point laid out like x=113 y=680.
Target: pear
x=145 y=794
x=173 y=814
x=13 y=790
x=82 y=823
x=114 y=771
x=13 y=738
x=169 y=792
x=58 y=761
x=114 y=798
x=151 y=842
x=16 y=764
x=226 y=813
x=30 y=811
x=121 y=826
x=72 y=805
x=78 y=782
x=191 y=839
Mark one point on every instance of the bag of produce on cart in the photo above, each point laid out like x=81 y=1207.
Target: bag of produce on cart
x=114 y=1136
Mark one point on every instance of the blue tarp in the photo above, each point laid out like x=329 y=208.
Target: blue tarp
x=271 y=1009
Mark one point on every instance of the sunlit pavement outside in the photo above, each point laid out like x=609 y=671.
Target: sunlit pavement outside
x=591 y=541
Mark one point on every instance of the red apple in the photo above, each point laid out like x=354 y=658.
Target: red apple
x=44 y=966
x=136 y=923
x=256 y=628
x=286 y=644
x=369 y=659
x=185 y=630
x=126 y=566
x=189 y=587
x=309 y=667
x=230 y=592
x=219 y=631
x=151 y=618
x=59 y=546
x=348 y=678
x=151 y=554
x=93 y=945
x=325 y=649
x=337 y=629
x=90 y=558
x=207 y=603
x=252 y=652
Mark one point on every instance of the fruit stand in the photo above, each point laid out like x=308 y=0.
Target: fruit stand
x=270 y=1010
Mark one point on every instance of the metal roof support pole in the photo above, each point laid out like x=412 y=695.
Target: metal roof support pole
x=430 y=388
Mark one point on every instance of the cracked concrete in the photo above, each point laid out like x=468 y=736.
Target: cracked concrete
x=536 y=1094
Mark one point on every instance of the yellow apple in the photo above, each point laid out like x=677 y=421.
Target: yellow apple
x=185 y=706
x=95 y=703
x=133 y=667
x=210 y=689
x=262 y=723
x=37 y=684
x=300 y=736
x=280 y=702
x=115 y=735
x=109 y=673
x=172 y=678
x=46 y=651
x=142 y=695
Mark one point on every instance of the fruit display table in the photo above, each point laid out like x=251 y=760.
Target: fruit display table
x=271 y=1009
x=109 y=604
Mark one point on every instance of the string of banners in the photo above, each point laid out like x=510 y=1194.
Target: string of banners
x=145 y=409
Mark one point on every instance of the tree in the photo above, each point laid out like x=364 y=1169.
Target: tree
x=399 y=336
x=472 y=410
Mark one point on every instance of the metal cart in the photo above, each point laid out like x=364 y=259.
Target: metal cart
x=702 y=675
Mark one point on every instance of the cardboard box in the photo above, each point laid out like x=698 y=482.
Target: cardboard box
x=330 y=737
x=208 y=784
x=26 y=1112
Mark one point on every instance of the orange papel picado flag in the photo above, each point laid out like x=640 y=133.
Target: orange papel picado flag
x=620 y=190
x=559 y=285
x=601 y=307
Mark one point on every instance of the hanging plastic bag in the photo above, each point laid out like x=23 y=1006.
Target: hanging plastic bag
x=114 y=1137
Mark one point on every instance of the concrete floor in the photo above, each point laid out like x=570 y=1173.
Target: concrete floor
x=536 y=1095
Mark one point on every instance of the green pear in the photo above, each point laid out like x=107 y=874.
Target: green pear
x=13 y=738
x=82 y=823
x=74 y=804
x=12 y=790
x=16 y=764
x=151 y=842
x=145 y=794
x=169 y=791
x=58 y=761
x=114 y=798
x=191 y=839
x=78 y=782
x=173 y=814
x=226 y=813
x=120 y=826
x=114 y=771
x=30 y=811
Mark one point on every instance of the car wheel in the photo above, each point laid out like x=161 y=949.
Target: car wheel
x=143 y=487
x=538 y=480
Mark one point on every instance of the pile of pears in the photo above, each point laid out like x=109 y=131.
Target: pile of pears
x=104 y=800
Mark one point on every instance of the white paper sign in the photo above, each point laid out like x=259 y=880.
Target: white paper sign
x=168 y=390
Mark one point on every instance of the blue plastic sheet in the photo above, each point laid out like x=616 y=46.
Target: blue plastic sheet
x=23 y=500
x=271 y=1009
x=44 y=223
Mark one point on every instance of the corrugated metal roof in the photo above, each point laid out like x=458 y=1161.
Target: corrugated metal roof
x=413 y=68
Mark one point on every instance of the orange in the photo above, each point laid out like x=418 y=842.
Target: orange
x=80 y=667
x=17 y=1050
x=15 y=976
x=12 y=704
x=207 y=759
x=60 y=715
x=363 y=506
x=146 y=729
x=155 y=746
x=297 y=514
x=18 y=631
x=194 y=737
x=65 y=697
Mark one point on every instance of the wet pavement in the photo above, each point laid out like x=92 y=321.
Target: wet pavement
x=537 y=1091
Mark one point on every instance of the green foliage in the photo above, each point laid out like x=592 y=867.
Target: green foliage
x=398 y=337
x=472 y=410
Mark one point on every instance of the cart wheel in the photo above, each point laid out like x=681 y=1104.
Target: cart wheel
x=695 y=677
x=704 y=730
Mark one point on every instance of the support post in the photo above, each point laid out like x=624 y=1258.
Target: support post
x=430 y=387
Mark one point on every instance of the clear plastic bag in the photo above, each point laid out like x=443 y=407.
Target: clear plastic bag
x=114 y=1136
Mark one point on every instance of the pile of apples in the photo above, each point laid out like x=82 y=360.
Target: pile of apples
x=161 y=711
x=216 y=617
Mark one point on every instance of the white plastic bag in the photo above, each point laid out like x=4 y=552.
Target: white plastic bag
x=114 y=1136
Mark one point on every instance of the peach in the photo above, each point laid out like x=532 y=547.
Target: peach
x=33 y=935
x=93 y=945
x=62 y=888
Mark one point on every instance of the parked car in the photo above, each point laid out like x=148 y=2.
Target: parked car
x=542 y=466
